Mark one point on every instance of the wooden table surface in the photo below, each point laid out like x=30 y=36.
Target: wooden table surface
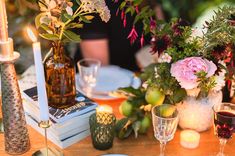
x=144 y=145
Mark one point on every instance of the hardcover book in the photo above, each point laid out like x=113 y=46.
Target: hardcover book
x=83 y=105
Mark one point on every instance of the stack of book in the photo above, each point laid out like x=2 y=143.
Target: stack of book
x=68 y=126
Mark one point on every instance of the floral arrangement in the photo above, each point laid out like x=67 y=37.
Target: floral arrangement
x=187 y=64
x=59 y=17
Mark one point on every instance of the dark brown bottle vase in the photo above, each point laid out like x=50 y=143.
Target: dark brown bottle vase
x=60 y=78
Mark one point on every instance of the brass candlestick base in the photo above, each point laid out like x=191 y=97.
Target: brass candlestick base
x=47 y=151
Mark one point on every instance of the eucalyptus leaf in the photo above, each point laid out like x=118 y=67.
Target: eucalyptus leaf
x=72 y=36
x=50 y=37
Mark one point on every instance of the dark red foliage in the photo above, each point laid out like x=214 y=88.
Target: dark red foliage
x=177 y=27
x=160 y=44
x=223 y=52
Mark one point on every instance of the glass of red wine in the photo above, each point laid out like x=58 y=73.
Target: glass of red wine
x=224 y=123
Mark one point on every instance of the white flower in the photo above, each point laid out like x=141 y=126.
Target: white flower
x=69 y=10
x=98 y=6
x=155 y=72
x=105 y=14
x=165 y=57
x=220 y=78
x=51 y=4
x=145 y=85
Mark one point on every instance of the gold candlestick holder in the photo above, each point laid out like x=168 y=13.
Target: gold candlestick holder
x=46 y=151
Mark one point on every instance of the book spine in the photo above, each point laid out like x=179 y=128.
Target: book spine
x=60 y=143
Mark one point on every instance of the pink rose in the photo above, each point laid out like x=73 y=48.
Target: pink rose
x=185 y=70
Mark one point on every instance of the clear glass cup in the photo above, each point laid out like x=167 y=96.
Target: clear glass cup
x=164 y=127
x=224 y=123
x=88 y=70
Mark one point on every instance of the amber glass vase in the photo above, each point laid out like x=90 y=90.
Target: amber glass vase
x=60 y=78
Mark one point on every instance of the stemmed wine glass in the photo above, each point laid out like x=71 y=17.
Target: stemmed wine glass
x=88 y=69
x=164 y=127
x=224 y=123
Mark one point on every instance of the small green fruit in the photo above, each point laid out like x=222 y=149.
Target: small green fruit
x=154 y=96
x=126 y=108
x=166 y=110
x=144 y=125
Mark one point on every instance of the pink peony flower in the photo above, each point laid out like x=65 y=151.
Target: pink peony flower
x=185 y=70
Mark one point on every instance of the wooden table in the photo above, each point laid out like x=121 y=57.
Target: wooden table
x=144 y=145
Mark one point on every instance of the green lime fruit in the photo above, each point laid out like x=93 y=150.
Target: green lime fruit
x=126 y=108
x=154 y=96
x=166 y=110
x=144 y=125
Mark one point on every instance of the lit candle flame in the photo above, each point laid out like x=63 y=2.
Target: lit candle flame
x=31 y=34
x=104 y=109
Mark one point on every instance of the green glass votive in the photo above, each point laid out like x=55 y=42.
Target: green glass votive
x=102 y=130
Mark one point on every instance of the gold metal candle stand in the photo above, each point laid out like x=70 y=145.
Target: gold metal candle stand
x=47 y=151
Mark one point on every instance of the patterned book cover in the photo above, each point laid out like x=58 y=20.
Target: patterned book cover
x=83 y=105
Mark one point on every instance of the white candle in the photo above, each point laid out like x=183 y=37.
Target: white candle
x=189 y=139
x=41 y=88
x=103 y=112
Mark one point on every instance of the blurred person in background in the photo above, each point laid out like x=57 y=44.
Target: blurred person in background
x=108 y=41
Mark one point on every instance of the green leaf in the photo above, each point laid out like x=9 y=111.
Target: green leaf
x=89 y=17
x=178 y=95
x=144 y=9
x=123 y=4
x=137 y=2
x=72 y=36
x=37 y=19
x=42 y=4
x=136 y=126
x=122 y=129
x=50 y=37
x=66 y=15
x=148 y=72
x=131 y=10
x=46 y=28
x=74 y=25
x=78 y=2
x=82 y=18
x=136 y=92
x=137 y=18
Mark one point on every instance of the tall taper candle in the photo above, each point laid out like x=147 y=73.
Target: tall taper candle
x=3 y=22
x=41 y=87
